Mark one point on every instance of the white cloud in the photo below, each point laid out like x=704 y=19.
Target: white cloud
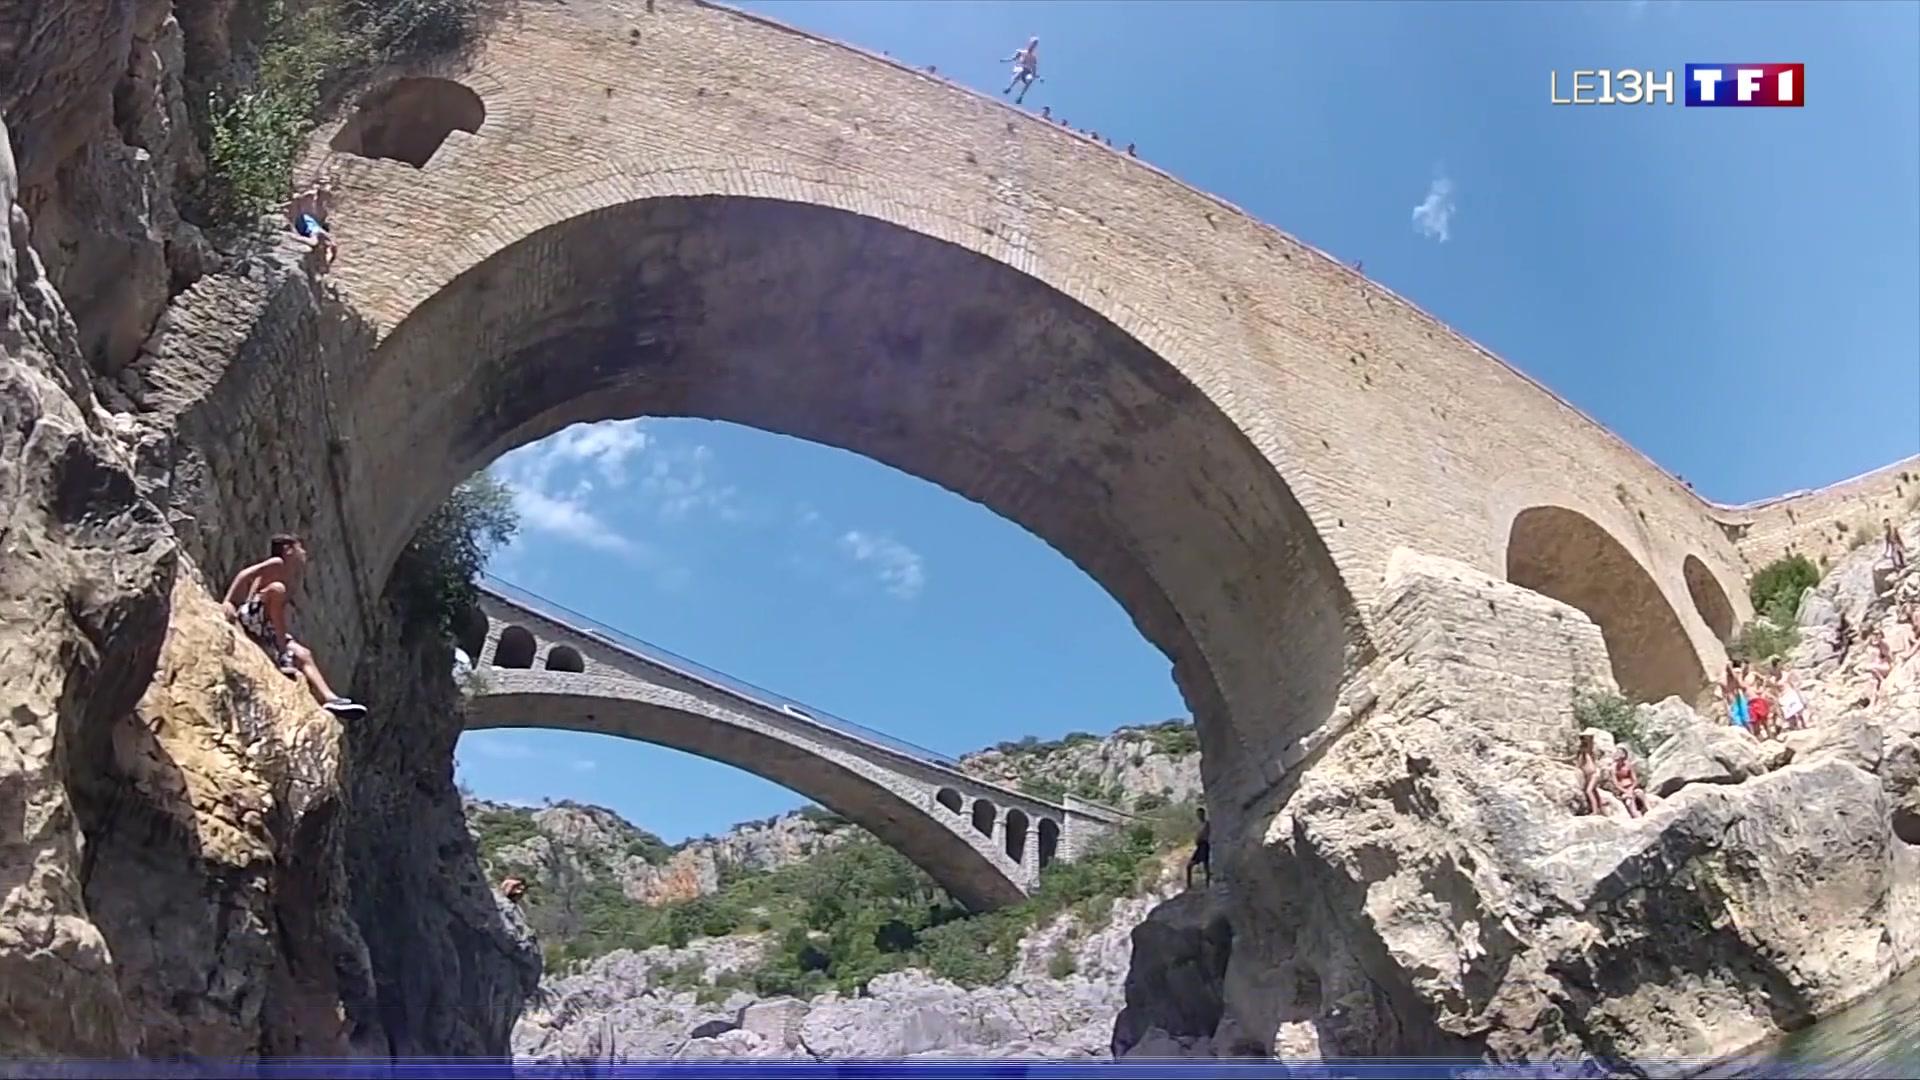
x=607 y=447
x=568 y=517
x=899 y=569
x=1433 y=218
x=584 y=765
x=681 y=483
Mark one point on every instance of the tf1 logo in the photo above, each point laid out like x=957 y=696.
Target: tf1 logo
x=1706 y=86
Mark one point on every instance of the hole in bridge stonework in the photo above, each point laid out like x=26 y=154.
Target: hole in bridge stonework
x=1568 y=556
x=950 y=799
x=515 y=649
x=1049 y=841
x=470 y=633
x=565 y=658
x=983 y=817
x=1709 y=598
x=1016 y=835
x=408 y=119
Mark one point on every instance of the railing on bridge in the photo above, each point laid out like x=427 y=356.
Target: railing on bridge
x=593 y=628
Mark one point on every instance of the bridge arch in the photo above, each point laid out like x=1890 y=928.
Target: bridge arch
x=950 y=799
x=1709 y=598
x=1567 y=555
x=1049 y=839
x=408 y=119
x=970 y=870
x=1016 y=839
x=565 y=658
x=515 y=648
x=983 y=815
x=867 y=335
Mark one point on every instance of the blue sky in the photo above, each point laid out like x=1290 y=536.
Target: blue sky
x=1737 y=292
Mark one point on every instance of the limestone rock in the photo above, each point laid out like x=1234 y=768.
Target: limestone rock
x=1174 y=985
x=1426 y=887
x=1704 y=755
x=85 y=575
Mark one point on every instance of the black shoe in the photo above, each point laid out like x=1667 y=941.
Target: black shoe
x=344 y=709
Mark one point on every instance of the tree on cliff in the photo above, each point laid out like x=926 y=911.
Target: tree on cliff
x=433 y=580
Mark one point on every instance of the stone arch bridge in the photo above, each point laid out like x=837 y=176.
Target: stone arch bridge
x=540 y=665
x=667 y=208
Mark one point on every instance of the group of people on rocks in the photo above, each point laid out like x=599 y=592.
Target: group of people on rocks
x=1626 y=778
x=1765 y=701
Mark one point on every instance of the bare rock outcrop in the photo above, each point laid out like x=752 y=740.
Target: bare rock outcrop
x=1426 y=886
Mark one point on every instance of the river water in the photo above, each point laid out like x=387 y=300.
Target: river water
x=1880 y=1037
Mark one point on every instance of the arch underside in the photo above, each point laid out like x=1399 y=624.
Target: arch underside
x=1709 y=598
x=1566 y=555
x=971 y=877
x=949 y=365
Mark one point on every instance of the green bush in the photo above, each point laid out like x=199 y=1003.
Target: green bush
x=1761 y=640
x=1175 y=738
x=1612 y=714
x=1776 y=589
x=433 y=580
x=1062 y=963
x=257 y=123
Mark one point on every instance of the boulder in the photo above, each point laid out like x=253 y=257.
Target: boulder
x=1174 y=985
x=1704 y=755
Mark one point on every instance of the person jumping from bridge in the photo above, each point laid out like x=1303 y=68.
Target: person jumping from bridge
x=1202 y=849
x=1026 y=68
x=258 y=600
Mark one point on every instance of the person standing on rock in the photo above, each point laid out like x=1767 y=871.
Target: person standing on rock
x=1588 y=759
x=257 y=601
x=1793 y=704
x=309 y=212
x=1202 y=849
x=1879 y=665
x=1736 y=696
x=1026 y=68
x=1896 y=548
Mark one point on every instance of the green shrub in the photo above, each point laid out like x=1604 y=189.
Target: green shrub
x=433 y=580
x=1175 y=738
x=1612 y=714
x=1152 y=800
x=1043 y=787
x=1761 y=640
x=257 y=123
x=1776 y=589
x=1062 y=963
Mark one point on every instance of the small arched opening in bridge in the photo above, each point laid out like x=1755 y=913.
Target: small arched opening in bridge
x=1016 y=835
x=515 y=648
x=1566 y=555
x=925 y=353
x=1709 y=598
x=1049 y=835
x=470 y=633
x=950 y=799
x=565 y=658
x=408 y=119
x=983 y=815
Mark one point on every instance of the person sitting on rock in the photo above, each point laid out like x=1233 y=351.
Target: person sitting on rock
x=1626 y=780
x=1026 y=68
x=309 y=212
x=1202 y=849
x=1896 y=548
x=258 y=600
x=1588 y=759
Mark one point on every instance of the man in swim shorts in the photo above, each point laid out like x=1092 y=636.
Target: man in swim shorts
x=309 y=211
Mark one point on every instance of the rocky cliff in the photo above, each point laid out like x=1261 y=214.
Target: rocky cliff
x=1428 y=884
x=196 y=859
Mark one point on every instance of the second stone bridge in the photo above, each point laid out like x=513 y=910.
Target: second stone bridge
x=540 y=666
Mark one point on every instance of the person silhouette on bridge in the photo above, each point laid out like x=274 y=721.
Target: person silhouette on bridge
x=1202 y=849
x=1026 y=68
x=258 y=599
